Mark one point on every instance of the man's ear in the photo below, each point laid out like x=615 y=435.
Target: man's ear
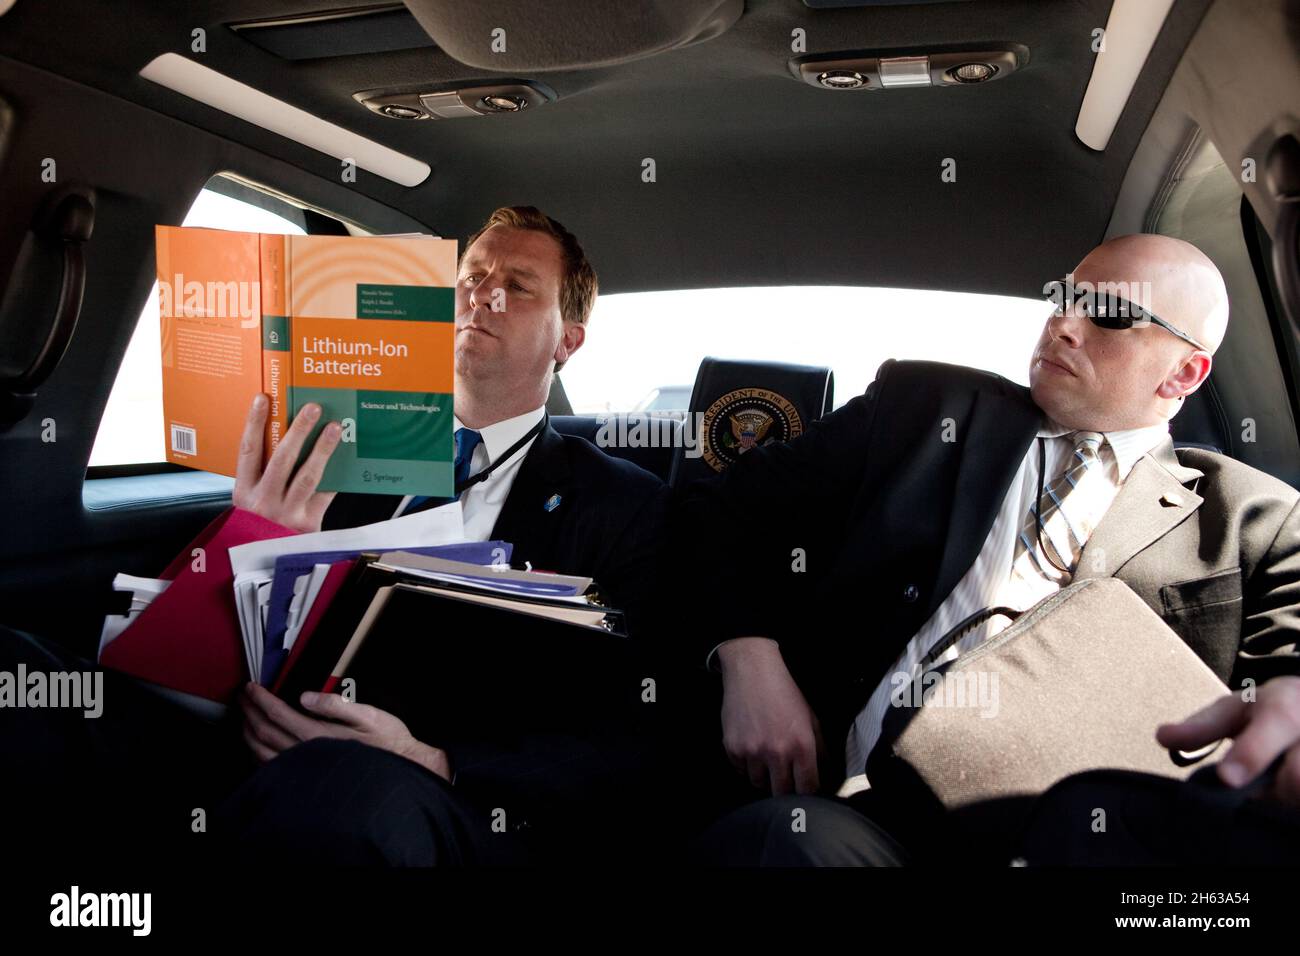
x=1188 y=377
x=571 y=340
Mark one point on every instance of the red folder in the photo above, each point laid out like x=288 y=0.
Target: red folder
x=188 y=639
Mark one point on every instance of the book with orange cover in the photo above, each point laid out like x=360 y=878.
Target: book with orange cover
x=362 y=325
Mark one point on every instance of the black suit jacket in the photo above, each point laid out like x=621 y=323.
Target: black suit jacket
x=608 y=526
x=888 y=501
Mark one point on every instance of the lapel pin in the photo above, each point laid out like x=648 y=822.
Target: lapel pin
x=1171 y=499
x=552 y=503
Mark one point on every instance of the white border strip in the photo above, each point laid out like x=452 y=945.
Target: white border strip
x=1131 y=32
x=252 y=105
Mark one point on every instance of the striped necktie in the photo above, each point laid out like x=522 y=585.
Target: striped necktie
x=466 y=440
x=1069 y=510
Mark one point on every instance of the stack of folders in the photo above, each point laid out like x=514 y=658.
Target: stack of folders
x=461 y=651
x=276 y=601
x=183 y=635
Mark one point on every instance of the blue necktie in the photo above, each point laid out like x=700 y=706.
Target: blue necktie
x=466 y=441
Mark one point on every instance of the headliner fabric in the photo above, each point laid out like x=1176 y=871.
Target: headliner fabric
x=759 y=179
x=567 y=34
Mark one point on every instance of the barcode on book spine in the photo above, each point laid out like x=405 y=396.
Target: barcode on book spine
x=184 y=440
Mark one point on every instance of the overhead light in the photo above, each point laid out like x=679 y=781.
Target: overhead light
x=402 y=112
x=1131 y=32
x=973 y=72
x=864 y=71
x=237 y=99
x=905 y=71
x=483 y=99
x=841 y=79
x=444 y=106
x=503 y=103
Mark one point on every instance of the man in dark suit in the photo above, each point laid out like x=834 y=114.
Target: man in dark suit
x=524 y=293
x=347 y=782
x=908 y=507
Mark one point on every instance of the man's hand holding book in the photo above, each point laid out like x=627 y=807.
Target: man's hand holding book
x=278 y=493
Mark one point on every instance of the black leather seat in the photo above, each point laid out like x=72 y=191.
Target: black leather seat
x=1202 y=422
x=643 y=439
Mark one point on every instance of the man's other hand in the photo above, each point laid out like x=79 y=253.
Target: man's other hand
x=1261 y=730
x=271 y=493
x=768 y=730
x=271 y=726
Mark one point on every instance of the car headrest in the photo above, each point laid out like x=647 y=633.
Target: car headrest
x=736 y=406
x=644 y=439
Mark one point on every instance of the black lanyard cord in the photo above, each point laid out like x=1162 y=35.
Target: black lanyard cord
x=486 y=473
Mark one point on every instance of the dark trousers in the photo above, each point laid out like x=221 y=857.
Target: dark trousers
x=799 y=830
x=869 y=828
x=146 y=777
x=342 y=802
x=1100 y=818
x=329 y=801
x=139 y=781
x=149 y=780
x=1122 y=818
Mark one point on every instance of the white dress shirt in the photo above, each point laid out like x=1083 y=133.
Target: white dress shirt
x=988 y=582
x=481 y=503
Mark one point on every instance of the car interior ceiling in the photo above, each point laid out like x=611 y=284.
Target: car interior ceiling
x=760 y=179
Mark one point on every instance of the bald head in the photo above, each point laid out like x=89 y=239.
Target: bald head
x=1186 y=288
x=1087 y=376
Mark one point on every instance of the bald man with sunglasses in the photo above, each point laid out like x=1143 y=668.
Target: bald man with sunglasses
x=910 y=504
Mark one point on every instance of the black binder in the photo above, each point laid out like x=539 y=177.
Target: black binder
x=457 y=671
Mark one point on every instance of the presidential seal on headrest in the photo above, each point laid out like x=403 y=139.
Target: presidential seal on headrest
x=743 y=419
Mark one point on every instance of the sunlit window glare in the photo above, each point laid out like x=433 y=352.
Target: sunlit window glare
x=643 y=349
x=131 y=430
x=640 y=342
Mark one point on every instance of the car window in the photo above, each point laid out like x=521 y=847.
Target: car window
x=131 y=431
x=643 y=349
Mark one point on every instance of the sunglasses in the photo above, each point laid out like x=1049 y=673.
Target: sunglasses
x=1107 y=311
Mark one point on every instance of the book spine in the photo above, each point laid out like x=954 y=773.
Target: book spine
x=277 y=366
x=167 y=341
x=291 y=400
